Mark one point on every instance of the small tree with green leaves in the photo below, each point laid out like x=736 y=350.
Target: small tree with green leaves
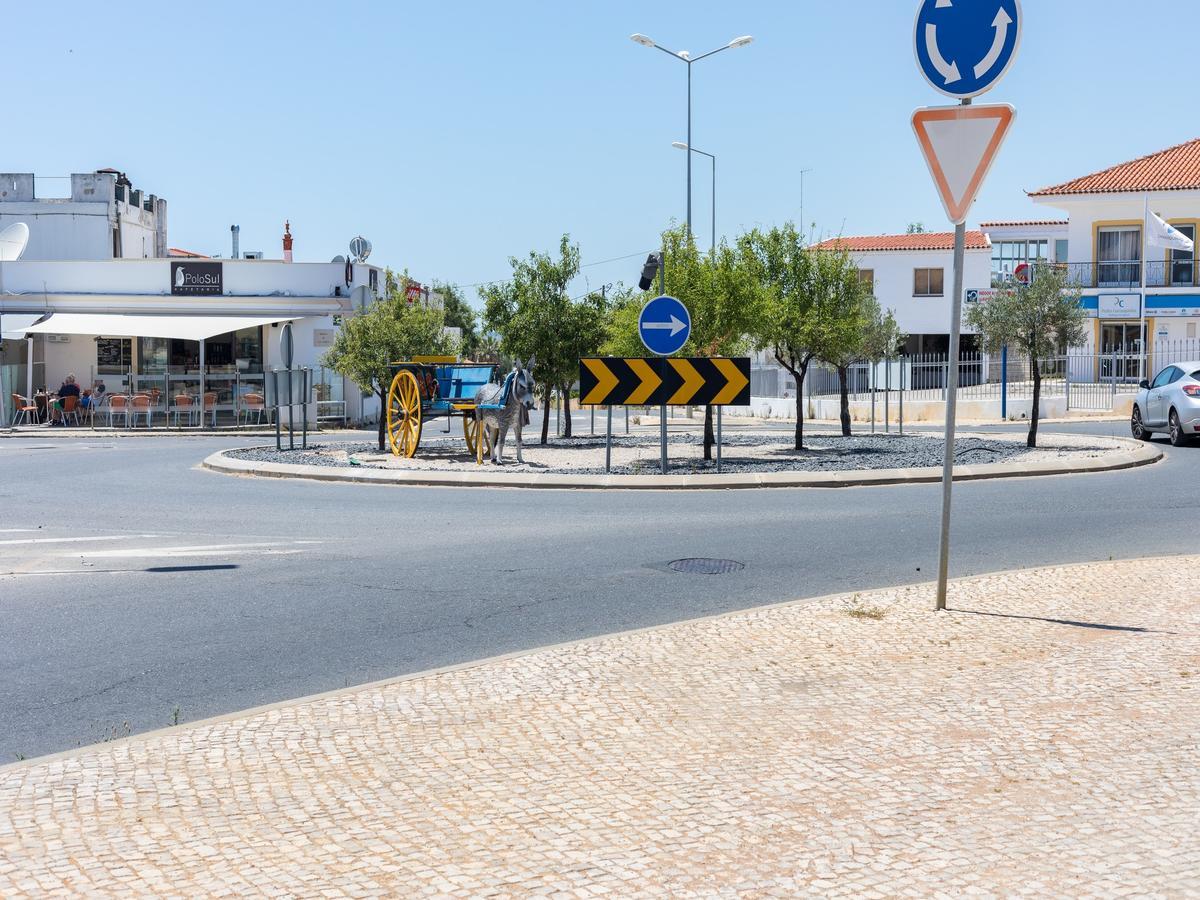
x=845 y=310
x=1036 y=319
x=533 y=314
x=391 y=330
x=787 y=323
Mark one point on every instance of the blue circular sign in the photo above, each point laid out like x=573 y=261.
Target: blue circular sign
x=965 y=46
x=664 y=325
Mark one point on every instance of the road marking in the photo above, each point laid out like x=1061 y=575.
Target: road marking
x=265 y=548
x=80 y=539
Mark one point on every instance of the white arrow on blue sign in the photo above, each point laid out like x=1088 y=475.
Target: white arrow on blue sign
x=664 y=325
x=965 y=46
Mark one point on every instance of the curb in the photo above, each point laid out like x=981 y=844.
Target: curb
x=1139 y=454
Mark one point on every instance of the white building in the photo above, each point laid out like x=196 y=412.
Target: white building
x=1125 y=294
x=153 y=324
x=913 y=277
x=103 y=217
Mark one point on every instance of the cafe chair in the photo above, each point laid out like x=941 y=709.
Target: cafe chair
x=253 y=403
x=70 y=409
x=209 y=406
x=25 y=411
x=185 y=405
x=139 y=404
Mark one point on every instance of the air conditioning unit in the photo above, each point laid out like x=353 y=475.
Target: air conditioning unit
x=252 y=254
x=58 y=338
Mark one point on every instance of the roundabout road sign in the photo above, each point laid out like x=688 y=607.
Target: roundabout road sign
x=664 y=325
x=965 y=46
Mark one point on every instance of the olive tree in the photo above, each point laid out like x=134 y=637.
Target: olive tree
x=391 y=330
x=1036 y=319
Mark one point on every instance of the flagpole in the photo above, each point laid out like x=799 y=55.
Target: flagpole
x=1145 y=362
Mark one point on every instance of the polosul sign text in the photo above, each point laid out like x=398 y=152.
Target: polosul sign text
x=194 y=278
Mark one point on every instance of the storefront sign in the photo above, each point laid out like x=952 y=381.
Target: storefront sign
x=980 y=295
x=1119 y=306
x=323 y=337
x=196 y=278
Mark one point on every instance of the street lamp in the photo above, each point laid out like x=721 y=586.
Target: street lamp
x=680 y=145
x=685 y=56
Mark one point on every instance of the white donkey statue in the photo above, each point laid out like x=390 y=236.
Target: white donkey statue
x=515 y=399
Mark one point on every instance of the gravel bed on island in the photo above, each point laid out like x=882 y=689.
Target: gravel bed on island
x=744 y=453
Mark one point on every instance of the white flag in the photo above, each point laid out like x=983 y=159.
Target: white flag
x=1160 y=234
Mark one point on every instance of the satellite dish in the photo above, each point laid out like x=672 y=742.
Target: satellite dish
x=360 y=248
x=360 y=298
x=13 y=240
x=338 y=259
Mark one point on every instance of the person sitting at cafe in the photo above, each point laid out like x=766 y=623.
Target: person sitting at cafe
x=68 y=389
x=94 y=397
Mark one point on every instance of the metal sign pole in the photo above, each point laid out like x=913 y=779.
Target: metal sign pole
x=960 y=247
x=719 y=439
x=275 y=399
x=608 y=442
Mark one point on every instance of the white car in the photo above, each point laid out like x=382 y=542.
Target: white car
x=1169 y=404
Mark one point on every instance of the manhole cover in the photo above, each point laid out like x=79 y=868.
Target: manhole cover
x=706 y=566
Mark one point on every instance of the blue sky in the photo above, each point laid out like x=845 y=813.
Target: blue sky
x=456 y=134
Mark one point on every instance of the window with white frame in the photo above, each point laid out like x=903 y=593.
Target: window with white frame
x=1008 y=255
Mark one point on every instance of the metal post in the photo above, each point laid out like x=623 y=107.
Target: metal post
x=902 y=389
x=960 y=242
x=291 y=413
x=202 y=385
x=662 y=274
x=1067 y=377
x=887 y=397
x=689 y=153
x=719 y=440
x=608 y=442
x=627 y=420
x=304 y=417
x=275 y=400
x=873 y=370
x=714 y=204
x=1004 y=383
x=593 y=421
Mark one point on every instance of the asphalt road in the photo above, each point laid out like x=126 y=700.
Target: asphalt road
x=141 y=590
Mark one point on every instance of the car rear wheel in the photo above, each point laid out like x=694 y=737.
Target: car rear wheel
x=1178 y=438
x=1138 y=427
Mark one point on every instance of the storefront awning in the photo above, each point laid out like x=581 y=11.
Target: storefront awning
x=15 y=325
x=187 y=328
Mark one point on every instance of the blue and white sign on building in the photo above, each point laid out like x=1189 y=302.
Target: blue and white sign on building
x=965 y=46
x=664 y=325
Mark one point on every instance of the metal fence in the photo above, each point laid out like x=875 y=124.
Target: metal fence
x=1088 y=378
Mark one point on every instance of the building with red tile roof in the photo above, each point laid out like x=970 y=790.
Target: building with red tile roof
x=937 y=240
x=1174 y=169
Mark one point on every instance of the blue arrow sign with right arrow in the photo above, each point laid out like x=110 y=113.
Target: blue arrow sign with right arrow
x=664 y=325
x=964 y=47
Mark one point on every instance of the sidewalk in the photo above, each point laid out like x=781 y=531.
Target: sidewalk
x=1038 y=740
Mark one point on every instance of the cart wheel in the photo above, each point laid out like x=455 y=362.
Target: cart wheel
x=404 y=414
x=471 y=430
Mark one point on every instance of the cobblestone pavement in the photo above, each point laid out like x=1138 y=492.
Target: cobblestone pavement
x=1039 y=740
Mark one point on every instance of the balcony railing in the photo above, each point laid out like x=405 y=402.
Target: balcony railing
x=1128 y=274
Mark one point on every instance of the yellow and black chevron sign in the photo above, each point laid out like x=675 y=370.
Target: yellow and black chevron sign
x=676 y=381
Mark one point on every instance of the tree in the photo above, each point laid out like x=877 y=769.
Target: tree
x=459 y=314
x=845 y=311
x=916 y=228
x=535 y=319
x=1037 y=319
x=787 y=322
x=391 y=330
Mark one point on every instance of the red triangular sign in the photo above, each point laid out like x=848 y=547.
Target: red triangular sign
x=960 y=144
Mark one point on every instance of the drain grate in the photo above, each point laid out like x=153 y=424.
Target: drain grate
x=706 y=566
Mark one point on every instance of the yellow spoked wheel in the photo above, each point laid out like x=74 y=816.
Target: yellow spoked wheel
x=404 y=414
x=471 y=432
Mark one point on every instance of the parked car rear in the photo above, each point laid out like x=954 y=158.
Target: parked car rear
x=1169 y=404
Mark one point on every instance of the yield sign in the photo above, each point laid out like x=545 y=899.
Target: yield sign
x=960 y=143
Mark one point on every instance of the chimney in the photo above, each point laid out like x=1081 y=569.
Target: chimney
x=287 y=241
x=236 y=231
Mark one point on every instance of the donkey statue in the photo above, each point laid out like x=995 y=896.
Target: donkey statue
x=515 y=397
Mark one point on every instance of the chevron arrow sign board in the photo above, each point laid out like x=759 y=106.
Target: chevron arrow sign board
x=658 y=381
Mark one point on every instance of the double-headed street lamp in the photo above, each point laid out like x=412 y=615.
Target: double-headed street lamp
x=680 y=145
x=686 y=57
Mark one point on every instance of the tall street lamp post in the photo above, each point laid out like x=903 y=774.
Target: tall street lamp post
x=686 y=57
x=682 y=146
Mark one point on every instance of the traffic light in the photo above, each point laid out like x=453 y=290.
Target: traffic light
x=650 y=271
